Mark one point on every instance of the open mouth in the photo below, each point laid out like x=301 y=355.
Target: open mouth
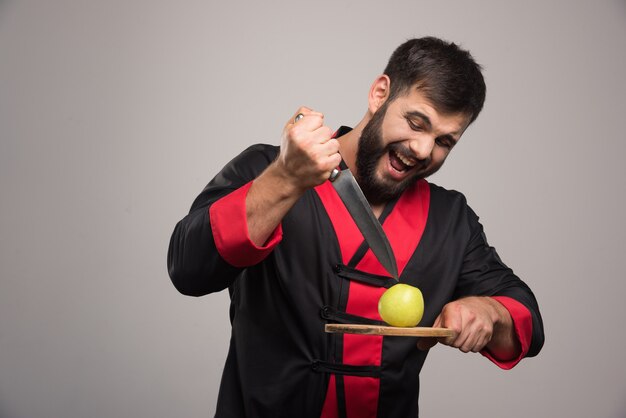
x=399 y=162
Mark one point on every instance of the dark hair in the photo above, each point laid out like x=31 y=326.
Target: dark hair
x=445 y=73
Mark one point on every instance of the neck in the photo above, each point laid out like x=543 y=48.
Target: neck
x=349 y=144
x=377 y=209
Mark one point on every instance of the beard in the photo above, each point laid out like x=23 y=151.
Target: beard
x=371 y=150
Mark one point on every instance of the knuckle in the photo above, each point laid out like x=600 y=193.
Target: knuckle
x=320 y=166
x=292 y=131
x=453 y=308
x=319 y=122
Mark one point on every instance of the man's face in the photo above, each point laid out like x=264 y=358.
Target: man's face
x=406 y=139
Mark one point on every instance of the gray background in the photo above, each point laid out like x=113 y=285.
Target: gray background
x=115 y=114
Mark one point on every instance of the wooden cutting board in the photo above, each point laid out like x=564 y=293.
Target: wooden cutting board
x=387 y=330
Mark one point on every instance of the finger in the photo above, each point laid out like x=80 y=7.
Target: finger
x=440 y=322
x=331 y=162
x=452 y=320
x=329 y=148
x=470 y=343
x=310 y=128
x=305 y=112
x=460 y=340
x=483 y=339
x=478 y=335
x=482 y=342
x=478 y=344
x=320 y=134
x=307 y=133
x=437 y=323
x=311 y=121
x=302 y=109
x=323 y=166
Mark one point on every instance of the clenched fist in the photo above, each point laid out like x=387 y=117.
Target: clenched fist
x=479 y=323
x=307 y=156
x=308 y=153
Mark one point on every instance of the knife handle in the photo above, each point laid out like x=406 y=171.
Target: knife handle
x=334 y=174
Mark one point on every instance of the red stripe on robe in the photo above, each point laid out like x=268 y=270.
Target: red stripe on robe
x=404 y=227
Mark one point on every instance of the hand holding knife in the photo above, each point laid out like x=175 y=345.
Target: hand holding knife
x=352 y=196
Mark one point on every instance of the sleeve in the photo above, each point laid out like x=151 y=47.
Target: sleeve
x=523 y=327
x=230 y=231
x=210 y=246
x=483 y=273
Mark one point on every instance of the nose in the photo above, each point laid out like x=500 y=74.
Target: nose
x=422 y=146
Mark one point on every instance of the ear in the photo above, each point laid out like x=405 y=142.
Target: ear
x=379 y=92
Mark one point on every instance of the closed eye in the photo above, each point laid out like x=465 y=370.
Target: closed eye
x=445 y=142
x=414 y=126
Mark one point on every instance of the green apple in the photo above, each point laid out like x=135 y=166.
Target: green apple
x=401 y=305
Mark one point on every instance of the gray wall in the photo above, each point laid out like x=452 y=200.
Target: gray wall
x=114 y=114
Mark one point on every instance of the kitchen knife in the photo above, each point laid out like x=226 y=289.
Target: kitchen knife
x=359 y=208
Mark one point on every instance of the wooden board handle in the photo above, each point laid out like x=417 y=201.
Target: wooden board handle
x=387 y=330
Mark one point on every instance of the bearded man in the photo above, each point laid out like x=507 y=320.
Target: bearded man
x=271 y=228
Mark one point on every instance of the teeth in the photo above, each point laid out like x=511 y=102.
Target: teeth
x=405 y=160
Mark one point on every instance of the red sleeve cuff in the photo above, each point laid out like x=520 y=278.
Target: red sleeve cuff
x=230 y=231
x=522 y=321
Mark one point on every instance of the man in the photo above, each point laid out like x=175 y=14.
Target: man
x=271 y=228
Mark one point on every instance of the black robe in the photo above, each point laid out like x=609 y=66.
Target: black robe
x=317 y=269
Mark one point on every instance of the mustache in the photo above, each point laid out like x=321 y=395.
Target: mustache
x=405 y=152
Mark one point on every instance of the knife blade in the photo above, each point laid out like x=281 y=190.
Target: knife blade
x=359 y=208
